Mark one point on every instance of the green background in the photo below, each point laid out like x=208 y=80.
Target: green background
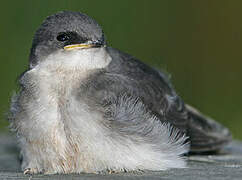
x=198 y=42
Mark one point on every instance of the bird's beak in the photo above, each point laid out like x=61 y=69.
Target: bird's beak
x=79 y=46
x=93 y=44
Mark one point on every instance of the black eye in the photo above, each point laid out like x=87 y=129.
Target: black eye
x=63 y=37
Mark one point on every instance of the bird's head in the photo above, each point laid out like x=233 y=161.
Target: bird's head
x=65 y=31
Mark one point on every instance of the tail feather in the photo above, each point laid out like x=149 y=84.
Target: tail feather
x=205 y=133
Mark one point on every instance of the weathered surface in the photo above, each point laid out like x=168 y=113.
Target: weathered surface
x=227 y=165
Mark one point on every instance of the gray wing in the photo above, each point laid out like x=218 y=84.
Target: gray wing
x=151 y=86
x=127 y=75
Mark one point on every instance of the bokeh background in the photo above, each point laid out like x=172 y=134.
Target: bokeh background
x=198 y=42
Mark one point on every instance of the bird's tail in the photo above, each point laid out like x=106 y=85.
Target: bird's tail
x=205 y=133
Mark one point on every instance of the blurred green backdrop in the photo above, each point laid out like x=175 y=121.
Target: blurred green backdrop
x=198 y=42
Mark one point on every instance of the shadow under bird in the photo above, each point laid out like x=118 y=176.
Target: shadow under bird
x=86 y=107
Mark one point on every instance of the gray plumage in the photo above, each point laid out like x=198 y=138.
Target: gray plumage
x=93 y=108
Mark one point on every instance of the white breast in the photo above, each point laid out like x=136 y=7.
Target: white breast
x=47 y=104
x=53 y=78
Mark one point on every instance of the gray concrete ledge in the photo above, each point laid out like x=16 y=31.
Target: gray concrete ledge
x=227 y=165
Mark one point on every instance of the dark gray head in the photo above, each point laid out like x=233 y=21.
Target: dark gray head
x=62 y=30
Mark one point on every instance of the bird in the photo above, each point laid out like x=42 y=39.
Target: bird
x=85 y=107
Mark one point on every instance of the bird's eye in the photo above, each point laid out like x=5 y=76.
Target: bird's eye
x=63 y=37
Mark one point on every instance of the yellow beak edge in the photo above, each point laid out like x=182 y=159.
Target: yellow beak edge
x=78 y=46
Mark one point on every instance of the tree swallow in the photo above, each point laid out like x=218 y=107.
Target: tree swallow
x=86 y=107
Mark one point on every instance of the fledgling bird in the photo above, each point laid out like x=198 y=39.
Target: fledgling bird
x=86 y=107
